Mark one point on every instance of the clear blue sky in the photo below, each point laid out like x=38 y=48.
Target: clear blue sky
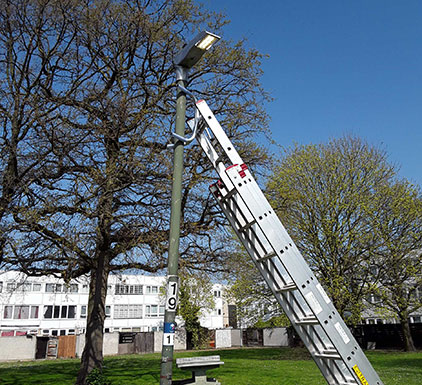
x=339 y=67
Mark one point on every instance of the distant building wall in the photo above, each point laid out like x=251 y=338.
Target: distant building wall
x=110 y=344
x=275 y=337
x=17 y=348
x=223 y=338
x=236 y=337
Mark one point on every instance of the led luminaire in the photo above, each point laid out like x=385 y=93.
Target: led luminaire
x=207 y=42
x=193 y=51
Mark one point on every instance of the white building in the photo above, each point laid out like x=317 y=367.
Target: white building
x=46 y=306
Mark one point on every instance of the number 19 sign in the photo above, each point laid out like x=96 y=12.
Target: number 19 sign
x=171 y=302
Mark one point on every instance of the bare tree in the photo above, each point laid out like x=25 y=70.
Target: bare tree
x=30 y=34
x=101 y=200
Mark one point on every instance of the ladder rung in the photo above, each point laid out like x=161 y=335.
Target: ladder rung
x=349 y=382
x=229 y=195
x=308 y=320
x=331 y=356
x=243 y=228
x=287 y=287
x=267 y=256
x=329 y=351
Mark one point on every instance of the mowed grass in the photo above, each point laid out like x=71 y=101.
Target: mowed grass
x=248 y=366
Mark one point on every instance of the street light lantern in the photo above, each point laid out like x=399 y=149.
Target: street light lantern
x=193 y=51
x=207 y=42
x=186 y=59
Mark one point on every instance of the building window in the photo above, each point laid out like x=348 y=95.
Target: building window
x=218 y=311
x=8 y=312
x=152 y=311
x=53 y=287
x=55 y=312
x=54 y=332
x=120 y=311
x=11 y=286
x=72 y=311
x=26 y=286
x=108 y=311
x=34 y=311
x=1 y=286
x=152 y=290
x=85 y=288
x=127 y=311
x=21 y=312
x=49 y=287
x=217 y=293
x=48 y=312
x=36 y=287
x=72 y=288
x=83 y=311
x=71 y=332
x=128 y=289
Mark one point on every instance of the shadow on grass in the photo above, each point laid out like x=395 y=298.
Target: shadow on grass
x=393 y=359
x=131 y=369
x=39 y=372
x=256 y=354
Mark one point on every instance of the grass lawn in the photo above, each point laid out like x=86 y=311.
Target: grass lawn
x=260 y=366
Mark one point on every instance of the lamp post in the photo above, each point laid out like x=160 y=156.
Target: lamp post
x=186 y=59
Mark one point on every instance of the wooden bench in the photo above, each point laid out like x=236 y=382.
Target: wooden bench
x=198 y=366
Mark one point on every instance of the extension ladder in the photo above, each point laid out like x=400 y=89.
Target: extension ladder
x=297 y=290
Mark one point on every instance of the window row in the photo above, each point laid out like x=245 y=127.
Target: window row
x=69 y=311
x=26 y=287
x=74 y=288
x=122 y=289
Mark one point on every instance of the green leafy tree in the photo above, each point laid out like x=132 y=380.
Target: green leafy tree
x=249 y=292
x=397 y=224
x=100 y=201
x=323 y=194
x=195 y=297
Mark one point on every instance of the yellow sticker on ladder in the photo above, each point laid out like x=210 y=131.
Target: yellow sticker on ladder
x=360 y=375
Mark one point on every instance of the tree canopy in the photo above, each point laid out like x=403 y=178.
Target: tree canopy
x=322 y=194
x=87 y=109
x=397 y=224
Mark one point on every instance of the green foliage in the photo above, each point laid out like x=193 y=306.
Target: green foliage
x=397 y=223
x=96 y=377
x=195 y=296
x=247 y=290
x=273 y=322
x=325 y=196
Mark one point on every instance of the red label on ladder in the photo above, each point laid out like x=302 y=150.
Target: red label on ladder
x=242 y=172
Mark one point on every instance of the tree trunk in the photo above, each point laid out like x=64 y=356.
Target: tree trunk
x=407 y=336
x=92 y=356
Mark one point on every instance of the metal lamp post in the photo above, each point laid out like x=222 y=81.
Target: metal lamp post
x=186 y=59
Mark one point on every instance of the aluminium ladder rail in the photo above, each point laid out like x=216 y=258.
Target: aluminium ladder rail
x=310 y=310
